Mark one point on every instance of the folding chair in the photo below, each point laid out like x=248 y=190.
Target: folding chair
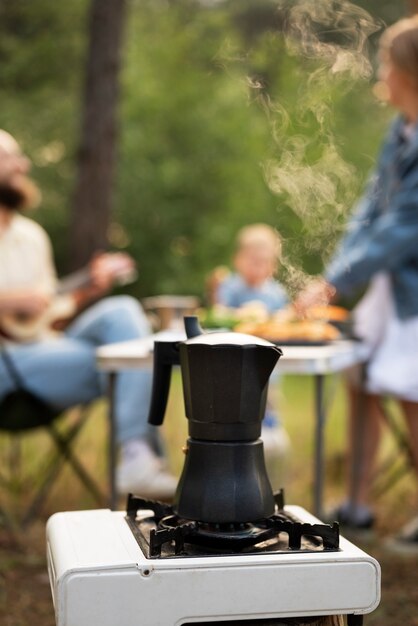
x=63 y=440
x=400 y=462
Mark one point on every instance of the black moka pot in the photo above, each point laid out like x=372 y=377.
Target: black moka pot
x=225 y=379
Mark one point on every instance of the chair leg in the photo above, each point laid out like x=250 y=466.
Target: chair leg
x=403 y=446
x=63 y=453
x=8 y=521
x=15 y=457
x=37 y=502
x=63 y=445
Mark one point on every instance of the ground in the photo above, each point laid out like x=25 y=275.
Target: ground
x=25 y=597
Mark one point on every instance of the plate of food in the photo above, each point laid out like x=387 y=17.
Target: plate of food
x=335 y=315
x=292 y=333
x=321 y=326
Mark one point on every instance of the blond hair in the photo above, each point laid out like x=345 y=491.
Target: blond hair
x=400 y=43
x=260 y=236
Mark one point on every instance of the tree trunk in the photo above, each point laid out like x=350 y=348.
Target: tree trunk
x=91 y=205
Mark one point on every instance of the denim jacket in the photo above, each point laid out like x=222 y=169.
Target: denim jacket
x=382 y=235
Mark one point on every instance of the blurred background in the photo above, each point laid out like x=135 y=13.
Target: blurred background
x=158 y=126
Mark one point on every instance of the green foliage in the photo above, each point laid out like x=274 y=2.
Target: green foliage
x=42 y=51
x=221 y=125
x=193 y=144
x=212 y=108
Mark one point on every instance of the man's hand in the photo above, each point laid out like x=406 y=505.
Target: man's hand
x=106 y=269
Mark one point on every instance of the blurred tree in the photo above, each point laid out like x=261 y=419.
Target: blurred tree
x=208 y=102
x=91 y=205
x=193 y=141
x=211 y=98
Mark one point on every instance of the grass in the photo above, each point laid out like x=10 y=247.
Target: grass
x=296 y=401
x=24 y=590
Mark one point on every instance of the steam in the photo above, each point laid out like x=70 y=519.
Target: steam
x=311 y=21
x=330 y=37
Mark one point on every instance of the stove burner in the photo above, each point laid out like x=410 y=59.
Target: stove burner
x=161 y=533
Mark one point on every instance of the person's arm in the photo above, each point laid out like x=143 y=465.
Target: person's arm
x=26 y=301
x=379 y=240
x=387 y=243
x=103 y=272
x=382 y=244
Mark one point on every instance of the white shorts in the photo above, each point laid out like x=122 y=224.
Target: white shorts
x=392 y=342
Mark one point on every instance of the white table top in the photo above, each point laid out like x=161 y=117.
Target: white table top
x=326 y=359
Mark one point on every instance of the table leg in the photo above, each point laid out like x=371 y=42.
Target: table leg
x=112 y=441
x=319 y=444
x=357 y=452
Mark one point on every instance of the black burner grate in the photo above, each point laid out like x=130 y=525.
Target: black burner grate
x=162 y=534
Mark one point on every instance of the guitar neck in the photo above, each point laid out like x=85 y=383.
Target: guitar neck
x=76 y=280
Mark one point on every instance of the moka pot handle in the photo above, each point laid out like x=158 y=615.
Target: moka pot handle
x=166 y=354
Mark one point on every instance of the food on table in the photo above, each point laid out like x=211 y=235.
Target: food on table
x=220 y=316
x=329 y=312
x=301 y=330
x=323 y=324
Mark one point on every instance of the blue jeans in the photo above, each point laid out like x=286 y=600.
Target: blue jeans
x=63 y=370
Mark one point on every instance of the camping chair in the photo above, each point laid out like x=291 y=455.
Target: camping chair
x=22 y=412
x=397 y=464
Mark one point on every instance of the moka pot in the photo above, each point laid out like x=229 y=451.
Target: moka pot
x=225 y=379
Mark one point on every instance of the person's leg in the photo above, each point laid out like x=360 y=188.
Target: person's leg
x=62 y=371
x=364 y=432
x=141 y=467
x=365 y=424
x=111 y=320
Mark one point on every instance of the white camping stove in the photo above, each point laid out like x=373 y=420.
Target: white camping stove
x=147 y=568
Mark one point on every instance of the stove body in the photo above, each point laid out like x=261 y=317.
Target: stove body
x=101 y=574
x=228 y=550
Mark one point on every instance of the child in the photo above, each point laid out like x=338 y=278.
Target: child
x=255 y=262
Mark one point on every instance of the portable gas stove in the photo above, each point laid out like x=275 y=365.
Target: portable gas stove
x=228 y=550
x=145 y=567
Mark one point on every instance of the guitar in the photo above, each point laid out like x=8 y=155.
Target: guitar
x=23 y=327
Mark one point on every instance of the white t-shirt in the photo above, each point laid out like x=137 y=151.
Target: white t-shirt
x=26 y=261
x=26 y=257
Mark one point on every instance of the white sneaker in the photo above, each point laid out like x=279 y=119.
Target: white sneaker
x=142 y=473
x=276 y=441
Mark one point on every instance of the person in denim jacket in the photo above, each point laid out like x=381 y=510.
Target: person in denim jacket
x=380 y=251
